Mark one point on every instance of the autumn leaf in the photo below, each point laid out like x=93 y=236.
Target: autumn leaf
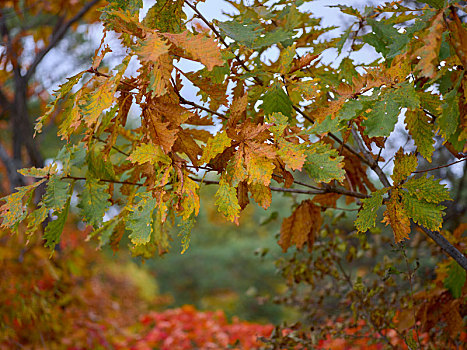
x=215 y=146
x=404 y=165
x=396 y=216
x=301 y=227
x=152 y=47
x=198 y=47
x=139 y=222
x=419 y=127
x=226 y=201
x=148 y=152
x=14 y=210
x=261 y=194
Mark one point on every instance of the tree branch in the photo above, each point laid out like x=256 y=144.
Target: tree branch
x=439 y=167
x=372 y=163
x=329 y=189
x=56 y=37
x=447 y=247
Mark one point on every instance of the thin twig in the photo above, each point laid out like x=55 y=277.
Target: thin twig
x=195 y=105
x=103 y=180
x=439 y=167
x=328 y=189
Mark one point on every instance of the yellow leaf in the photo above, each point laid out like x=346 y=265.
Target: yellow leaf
x=396 y=216
x=227 y=201
x=261 y=194
x=148 y=152
x=404 y=165
x=259 y=169
x=190 y=198
x=214 y=146
x=292 y=154
x=97 y=101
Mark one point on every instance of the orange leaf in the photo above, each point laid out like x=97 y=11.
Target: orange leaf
x=198 y=47
x=301 y=227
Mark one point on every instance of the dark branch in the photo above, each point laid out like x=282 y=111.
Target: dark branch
x=57 y=36
x=373 y=164
x=447 y=247
x=12 y=169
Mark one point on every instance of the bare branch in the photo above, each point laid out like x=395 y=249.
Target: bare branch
x=439 y=167
x=447 y=247
x=57 y=36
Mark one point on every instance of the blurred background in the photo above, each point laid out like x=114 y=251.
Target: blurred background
x=82 y=295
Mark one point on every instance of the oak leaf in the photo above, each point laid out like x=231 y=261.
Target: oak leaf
x=301 y=227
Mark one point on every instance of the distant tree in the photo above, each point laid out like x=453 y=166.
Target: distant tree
x=29 y=31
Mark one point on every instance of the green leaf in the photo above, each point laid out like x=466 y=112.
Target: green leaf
x=105 y=232
x=94 y=201
x=215 y=146
x=323 y=164
x=54 y=229
x=382 y=118
x=419 y=127
x=227 y=201
x=139 y=221
x=271 y=38
x=166 y=16
x=385 y=111
x=243 y=33
x=59 y=94
x=276 y=100
x=366 y=217
x=427 y=189
x=98 y=167
x=437 y=4
x=429 y=215
x=57 y=193
x=448 y=121
x=455 y=279
x=343 y=39
x=185 y=232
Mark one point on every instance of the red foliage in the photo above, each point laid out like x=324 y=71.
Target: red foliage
x=187 y=328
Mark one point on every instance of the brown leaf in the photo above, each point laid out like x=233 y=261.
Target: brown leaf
x=328 y=200
x=458 y=37
x=158 y=131
x=301 y=227
x=186 y=144
x=242 y=194
x=302 y=62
